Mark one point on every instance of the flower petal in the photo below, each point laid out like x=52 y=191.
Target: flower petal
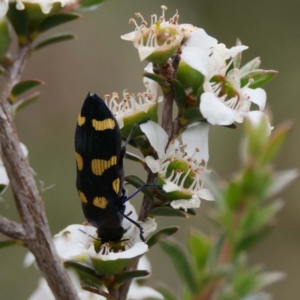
x=157 y=137
x=153 y=164
x=196 y=58
x=205 y=194
x=257 y=96
x=199 y=38
x=196 y=136
x=255 y=117
x=215 y=111
x=237 y=49
x=194 y=202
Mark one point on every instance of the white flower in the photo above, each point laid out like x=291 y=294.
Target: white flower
x=131 y=105
x=196 y=47
x=46 y=5
x=135 y=292
x=4 y=181
x=225 y=102
x=159 y=41
x=180 y=168
x=218 y=60
x=78 y=241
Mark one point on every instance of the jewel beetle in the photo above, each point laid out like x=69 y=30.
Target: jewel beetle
x=100 y=172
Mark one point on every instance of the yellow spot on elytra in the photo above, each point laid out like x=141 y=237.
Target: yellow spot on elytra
x=103 y=125
x=82 y=197
x=79 y=161
x=116 y=185
x=100 y=165
x=81 y=120
x=100 y=202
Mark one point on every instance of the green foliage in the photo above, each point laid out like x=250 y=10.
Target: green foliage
x=257 y=78
x=4 y=38
x=55 y=38
x=217 y=264
x=161 y=235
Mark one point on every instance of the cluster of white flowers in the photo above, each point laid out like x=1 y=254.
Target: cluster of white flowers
x=204 y=54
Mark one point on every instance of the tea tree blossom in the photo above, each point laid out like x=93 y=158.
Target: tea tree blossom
x=180 y=168
x=157 y=42
x=225 y=101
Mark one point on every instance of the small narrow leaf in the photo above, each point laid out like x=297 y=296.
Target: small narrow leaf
x=56 y=20
x=166 y=294
x=23 y=87
x=19 y=21
x=95 y=289
x=180 y=262
x=4 y=244
x=275 y=141
x=88 y=5
x=131 y=275
x=82 y=268
x=4 y=38
x=258 y=78
x=137 y=182
x=161 y=80
x=180 y=95
x=18 y=106
x=168 y=212
x=161 y=235
x=191 y=115
x=56 y=38
x=134 y=157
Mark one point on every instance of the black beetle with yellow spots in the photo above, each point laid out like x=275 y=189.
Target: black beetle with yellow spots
x=100 y=172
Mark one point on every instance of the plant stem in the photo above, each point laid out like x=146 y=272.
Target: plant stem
x=34 y=230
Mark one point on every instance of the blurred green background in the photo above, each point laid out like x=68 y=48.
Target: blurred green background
x=99 y=61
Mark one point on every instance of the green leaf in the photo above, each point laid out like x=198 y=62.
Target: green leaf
x=199 y=246
x=180 y=95
x=167 y=294
x=4 y=38
x=88 y=5
x=96 y=289
x=19 y=20
x=276 y=140
x=191 y=115
x=59 y=37
x=19 y=105
x=23 y=87
x=192 y=211
x=181 y=264
x=250 y=66
x=190 y=78
x=250 y=238
x=258 y=78
x=168 y=212
x=161 y=80
x=2 y=188
x=57 y=19
x=132 y=275
x=81 y=267
x=4 y=244
x=134 y=157
x=137 y=182
x=161 y=235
